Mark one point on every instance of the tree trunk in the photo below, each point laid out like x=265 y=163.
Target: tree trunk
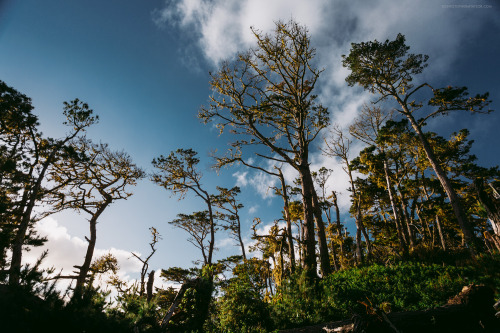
x=17 y=245
x=84 y=269
x=308 y=187
x=291 y=248
x=438 y=223
x=360 y=228
x=149 y=286
x=309 y=249
x=243 y=253
x=339 y=227
x=401 y=238
x=460 y=215
x=323 y=244
x=359 y=251
x=212 y=230
x=490 y=204
x=409 y=231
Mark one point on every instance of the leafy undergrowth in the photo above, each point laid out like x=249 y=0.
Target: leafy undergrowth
x=404 y=286
x=400 y=287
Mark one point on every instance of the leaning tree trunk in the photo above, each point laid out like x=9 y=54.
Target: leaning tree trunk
x=438 y=222
x=85 y=268
x=17 y=245
x=490 y=204
x=460 y=215
x=397 y=220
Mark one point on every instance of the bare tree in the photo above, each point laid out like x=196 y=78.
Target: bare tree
x=338 y=146
x=155 y=235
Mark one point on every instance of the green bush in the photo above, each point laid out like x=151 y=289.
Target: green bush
x=242 y=308
x=400 y=287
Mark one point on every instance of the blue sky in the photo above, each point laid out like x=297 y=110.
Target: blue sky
x=143 y=67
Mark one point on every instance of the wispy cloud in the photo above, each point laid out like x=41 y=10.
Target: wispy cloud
x=258 y=180
x=253 y=209
x=221 y=28
x=241 y=178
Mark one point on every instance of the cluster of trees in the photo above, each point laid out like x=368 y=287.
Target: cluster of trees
x=41 y=176
x=412 y=191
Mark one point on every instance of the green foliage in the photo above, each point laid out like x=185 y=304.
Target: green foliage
x=242 y=308
x=136 y=312
x=401 y=287
x=191 y=314
x=297 y=302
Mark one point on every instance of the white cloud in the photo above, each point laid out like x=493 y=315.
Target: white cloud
x=65 y=251
x=259 y=180
x=225 y=242
x=262 y=183
x=253 y=209
x=220 y=29
x=241 y=178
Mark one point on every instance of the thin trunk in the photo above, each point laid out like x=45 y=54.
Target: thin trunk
x=84 y=269
x=358 y=218
x=410 y=233
x=440 y=232
x=291 y=248
x=425 y=226
x=339 y=227
x=301 y=243
x=243 y=253
x=467 y=230
x=282 y=263
x=438 y=223
x=177 y=301
x=390 y=190
x=212 y=230
x=17 y=245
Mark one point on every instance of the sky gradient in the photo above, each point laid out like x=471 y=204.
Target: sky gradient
x=143 y=67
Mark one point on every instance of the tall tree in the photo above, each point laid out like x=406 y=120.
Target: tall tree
x=18 y=133
x=177 y=173
x=338 y=146
x=197 y=225
x=229 y=212
x=267 y=98
x=388 y=70
x=91 y=184
x=45 y=152
x=366 y=128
